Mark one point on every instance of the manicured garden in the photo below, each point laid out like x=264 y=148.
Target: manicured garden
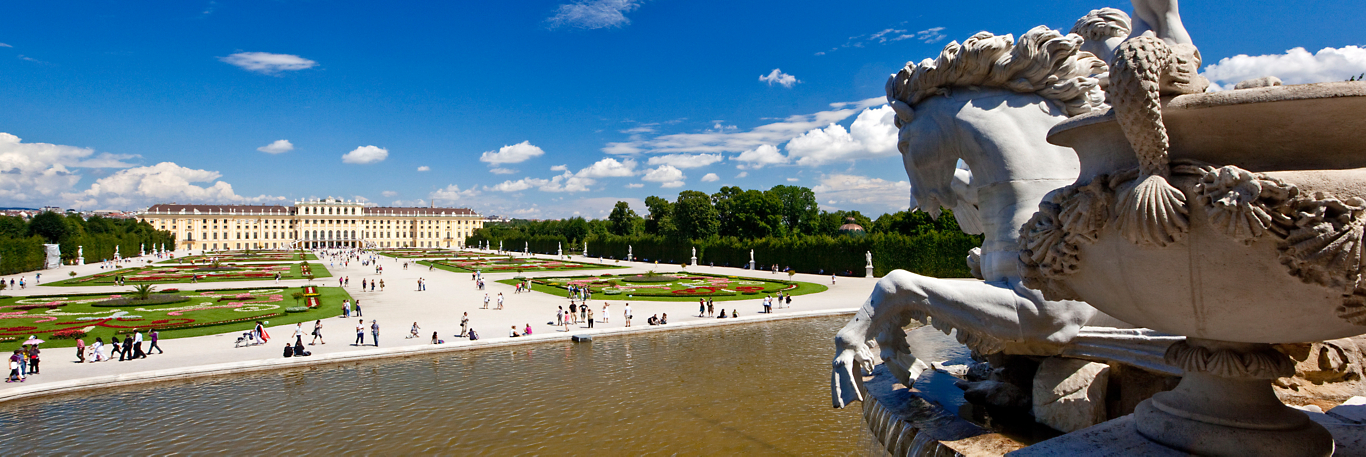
x=182 y=274
x=681 y=286
x=245 y=256
x=495 y=264
x=417 y=253
x=176 y=314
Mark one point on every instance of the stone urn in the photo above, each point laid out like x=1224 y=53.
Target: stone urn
x=1254 y=236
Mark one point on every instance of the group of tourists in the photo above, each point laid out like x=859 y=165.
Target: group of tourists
x=770 y=300
x=346 y=308
x=372 y=284
x=129 y=349
x=23 y=362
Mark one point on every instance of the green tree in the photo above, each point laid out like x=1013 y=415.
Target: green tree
x=660 y=221
x=694 y=216
x=799 y=209
x=49 y=225
x=748 y=214
x=12 y=227
x=622 y=221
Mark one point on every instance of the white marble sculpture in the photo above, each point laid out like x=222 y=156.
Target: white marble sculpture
x=80 y=255
x=142 y=249
x=629 y=255
x=694 y=256
x=116 y=253
x=585 y=248
x=54 y=256
x=988 y=102
x=559 y=249
x=751 y=259
x=500 y=245
x=868 y=255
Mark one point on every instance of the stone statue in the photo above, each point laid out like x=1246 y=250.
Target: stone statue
x=142 y=249
x=80 y=255
x=500 y=245
x=526 y=248
x=54 y=256
x=630 y=253
x=585 y=248
x=868 y=255
x=559 y=249
x=694 y=256
x=116 y=252
x=1018 y=90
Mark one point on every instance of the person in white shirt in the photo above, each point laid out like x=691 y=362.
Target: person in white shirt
x=486 y=301
x=500 y=300
x=627 y=314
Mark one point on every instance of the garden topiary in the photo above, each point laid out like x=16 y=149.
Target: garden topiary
x=296 y=309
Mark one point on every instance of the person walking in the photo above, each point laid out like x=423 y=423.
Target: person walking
x=500 y=300
x=573 y=312
x=155 y=335
x=374 y=331
x=360 y=333
x=605 y=314
x=486 y=301
x=711 y=307
x=317 y=332
x=559 y=317
x=381 y=285
x=113 y=347
x=127 y=349
x=80 y=350
x=299 y=334
x=590 y=317
x=701 y=307
x=358 y=307
x=627 y=314
x=346 y=309
x=583 y=311
x=565 y=321
x=33 y=359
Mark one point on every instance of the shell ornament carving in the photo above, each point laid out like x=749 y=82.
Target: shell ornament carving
x=1319 y=238
x=1266 y=363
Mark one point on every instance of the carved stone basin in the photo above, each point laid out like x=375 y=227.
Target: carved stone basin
x=1249 y=232
x=1209 y=284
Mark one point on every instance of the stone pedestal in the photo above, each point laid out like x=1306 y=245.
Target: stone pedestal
x=694 y=261
x=869 y=273
x=1224 y=404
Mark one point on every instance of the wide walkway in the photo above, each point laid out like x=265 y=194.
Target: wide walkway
x=438 y=309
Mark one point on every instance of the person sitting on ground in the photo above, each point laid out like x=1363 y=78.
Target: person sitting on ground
x=528 y=330
x=513 y=333
x=473 y=335
x=664 y=319
x=413 y=333
x=289 y=350
x=299 y=350
x=653 y=320
x=734 y=312
x=434 y=340
x=723 y=314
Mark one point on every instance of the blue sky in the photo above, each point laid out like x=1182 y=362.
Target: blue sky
x=530 y=109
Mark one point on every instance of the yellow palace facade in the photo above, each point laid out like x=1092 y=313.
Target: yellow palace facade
x=319 y=223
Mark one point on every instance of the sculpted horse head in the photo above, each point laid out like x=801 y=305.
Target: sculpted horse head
x=988 y=102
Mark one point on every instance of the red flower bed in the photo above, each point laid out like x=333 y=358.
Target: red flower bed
x=69 y=334
x=750 y=289
x=696 y=291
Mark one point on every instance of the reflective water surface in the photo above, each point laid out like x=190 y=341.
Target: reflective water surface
x=759 y=389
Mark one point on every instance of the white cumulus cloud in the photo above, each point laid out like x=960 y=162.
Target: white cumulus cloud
x=160 y=183
x=33 y=172
x=634 y=185
x=609 y=168
x=450 y=194
x=268 y=63
x=666 y=175
x=710 y=177
x=757 y=158
x=686 y=161
x=564 y=167
x=782 y=79
x=516 y=153
x=871 y=195
x=872 y=135
x=1296 y=66
x=734 y=140
x=389 y=194
x=424 y=168
x=502 y=171
x=365 y=155
x=593 y=14
x=277 y=147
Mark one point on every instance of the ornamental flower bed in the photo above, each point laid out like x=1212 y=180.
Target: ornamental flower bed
x=161 y=274
x=244 y=256
x=680 y=284
x=58 y=317
x=513 y=264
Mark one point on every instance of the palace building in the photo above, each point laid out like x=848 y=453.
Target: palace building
x=309 y=224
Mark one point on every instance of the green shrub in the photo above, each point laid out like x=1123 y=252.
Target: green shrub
x=296 y=309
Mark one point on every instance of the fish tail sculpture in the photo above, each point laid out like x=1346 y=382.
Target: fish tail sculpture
x=1152 y=211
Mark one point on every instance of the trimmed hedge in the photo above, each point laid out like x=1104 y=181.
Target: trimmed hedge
x=937 y=254
x=153 y=300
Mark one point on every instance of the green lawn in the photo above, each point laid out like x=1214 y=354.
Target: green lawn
x=507 y=264
x=715 y=287
x=180 y=274
x=247 y=256
x=207 y=312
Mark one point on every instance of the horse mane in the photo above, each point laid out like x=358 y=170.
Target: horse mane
x=1044 y=62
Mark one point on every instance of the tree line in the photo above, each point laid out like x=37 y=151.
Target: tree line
x=783 y=225
x=21 y=241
